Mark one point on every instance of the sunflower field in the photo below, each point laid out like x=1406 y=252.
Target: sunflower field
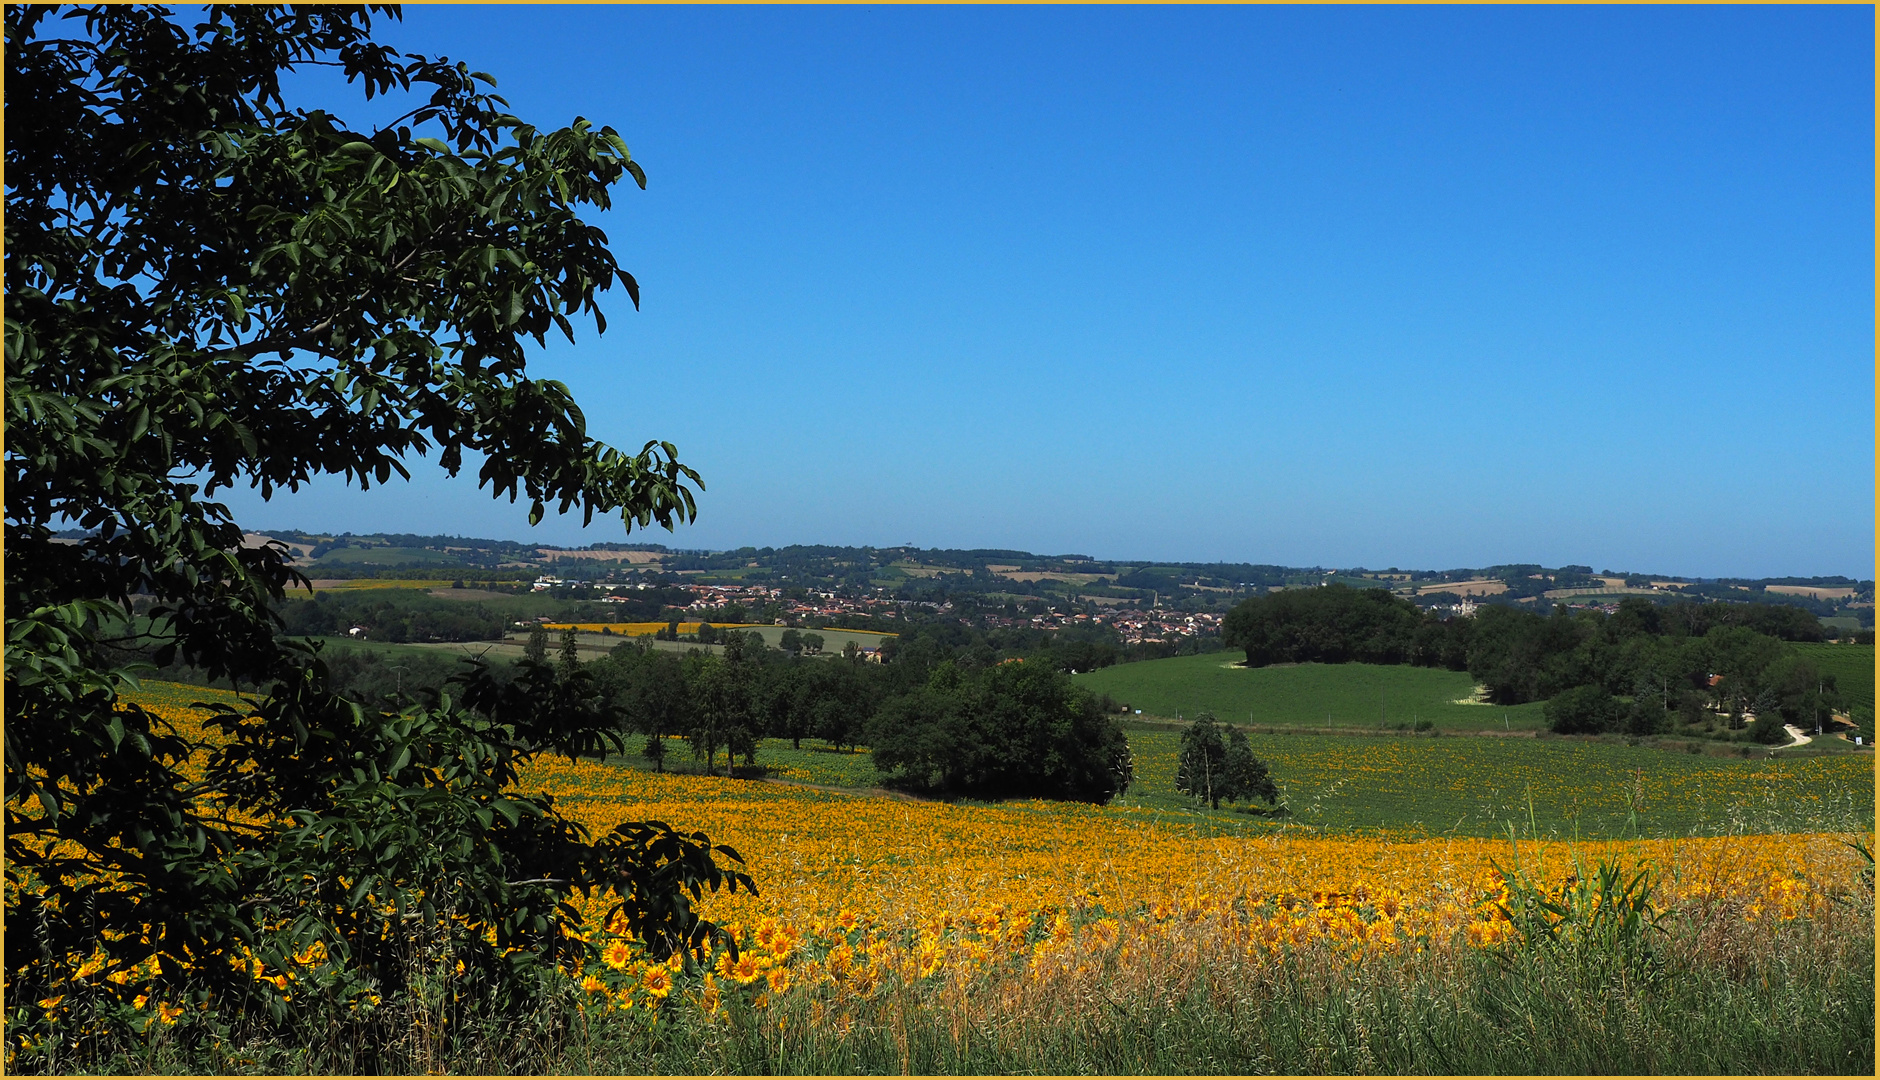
x=895 y=934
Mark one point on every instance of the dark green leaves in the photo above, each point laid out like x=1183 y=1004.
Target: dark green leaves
x=205 y=287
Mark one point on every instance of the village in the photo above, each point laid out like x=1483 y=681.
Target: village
x=820 y=608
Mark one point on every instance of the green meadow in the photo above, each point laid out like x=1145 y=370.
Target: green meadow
x=1321 y=696
x=1471 y=786
x=1446 y=786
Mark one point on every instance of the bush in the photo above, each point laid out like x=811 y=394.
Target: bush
x=392 y=615
x=1212 y=766
x=1014 y=730
x=1768 y=730
x=1647 y=717
x=1583 y=710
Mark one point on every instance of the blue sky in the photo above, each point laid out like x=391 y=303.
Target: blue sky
x=1412 y=287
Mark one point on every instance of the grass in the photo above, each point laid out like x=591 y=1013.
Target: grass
x=594 y=646
x=1575 y=787
x=1445 y=786
x=1308 y=696
x=424 y=648
x=834 y=640
x=776 y=759
x=1462 y=786
x=1800 y=1005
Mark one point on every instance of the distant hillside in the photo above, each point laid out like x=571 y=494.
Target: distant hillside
x=980 y=581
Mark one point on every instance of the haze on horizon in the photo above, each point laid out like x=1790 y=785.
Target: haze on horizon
x=1386 y=287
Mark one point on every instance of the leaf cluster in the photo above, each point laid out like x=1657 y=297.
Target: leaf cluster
x=1013 y=730
x=207 y=287
x=1216 y=762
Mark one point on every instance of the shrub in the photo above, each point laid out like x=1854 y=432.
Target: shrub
x=1768 y=730
x=1583 y=710
x=1012 y=730
x=1212 y=766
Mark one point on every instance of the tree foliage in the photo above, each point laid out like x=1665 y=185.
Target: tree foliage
x=1680 y=660
x=1012 y=730
x=1216 y=762
x=1332 y=625
x=208 y=287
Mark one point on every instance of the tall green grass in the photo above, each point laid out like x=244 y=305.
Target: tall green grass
x=1705 y=992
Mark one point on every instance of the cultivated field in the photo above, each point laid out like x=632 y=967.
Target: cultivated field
x=1321 y=696
x=636 y=558
x=386 y=556
x=894 y=935
x=353 y=584
x=1410 y=788
x=1817 y=592
x=834 y=639
x=1053 y=575
x=1480 y=587
x=596 y=640
x=1360 y=933
x=1853 y=669
x=1560 y=787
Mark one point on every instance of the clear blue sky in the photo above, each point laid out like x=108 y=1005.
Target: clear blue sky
x=1417 y=287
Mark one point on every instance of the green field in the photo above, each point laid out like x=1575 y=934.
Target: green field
x=1475 y=786
x=1338 y=696
x=1468 y=786
x=595 y=646
x=834 y=641
x=814 y=763
x=426 y=648
x=386 y=556
x=1852 y=668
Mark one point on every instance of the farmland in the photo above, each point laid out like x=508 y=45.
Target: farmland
x=386 y=556
x=356 y=584
x=892 y=934
x=1479 y=786
x=1853 y=669
x=1336 y=696
x=1411 y=787
x=1455 y=787
x=913 y=934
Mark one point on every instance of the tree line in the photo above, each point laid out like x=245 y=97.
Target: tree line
x=413 y=615
x=1646 y=669
x=1004 y=729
